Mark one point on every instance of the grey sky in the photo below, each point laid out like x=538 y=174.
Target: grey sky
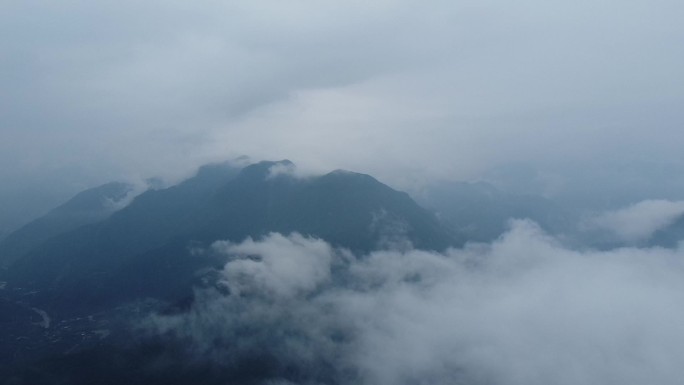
x=407 y=91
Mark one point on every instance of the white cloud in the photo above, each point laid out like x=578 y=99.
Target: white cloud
x=291 y=170
x=520 y=311
x=639 y=221
x=284 y=267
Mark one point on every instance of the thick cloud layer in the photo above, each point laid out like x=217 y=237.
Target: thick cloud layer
x=95 y=91
x=520 y=311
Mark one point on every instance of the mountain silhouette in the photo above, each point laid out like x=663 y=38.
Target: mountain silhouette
x=149 y=249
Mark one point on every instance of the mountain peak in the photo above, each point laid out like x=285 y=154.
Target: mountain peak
x=267 y=169
x=154 y=236
x=341 y=173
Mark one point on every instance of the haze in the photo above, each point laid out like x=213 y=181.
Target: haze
x=562 y=265
x=409 y=92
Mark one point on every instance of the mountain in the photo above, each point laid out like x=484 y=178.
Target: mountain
x=89 y=206
x=69 y=295
x=480 y=212
x=346 y=209
x=149 y=248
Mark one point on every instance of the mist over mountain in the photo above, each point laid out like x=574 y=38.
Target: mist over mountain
x=266 y=273
x=477 y=192
x=481 y=212
x=147 y=249
x=259 y=274
x=90 y=206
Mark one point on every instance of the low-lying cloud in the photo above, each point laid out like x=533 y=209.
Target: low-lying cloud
x=291 y=170
x=521 y=310
x=639 y=221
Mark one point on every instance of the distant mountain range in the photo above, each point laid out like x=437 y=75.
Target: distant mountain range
x=480 y=212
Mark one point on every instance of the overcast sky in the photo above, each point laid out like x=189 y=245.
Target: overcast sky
x=404 y=90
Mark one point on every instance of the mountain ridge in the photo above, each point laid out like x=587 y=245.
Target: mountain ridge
x=88 y=267
x=89 y=206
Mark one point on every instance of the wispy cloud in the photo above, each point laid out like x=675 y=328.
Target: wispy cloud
x=639 y=221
